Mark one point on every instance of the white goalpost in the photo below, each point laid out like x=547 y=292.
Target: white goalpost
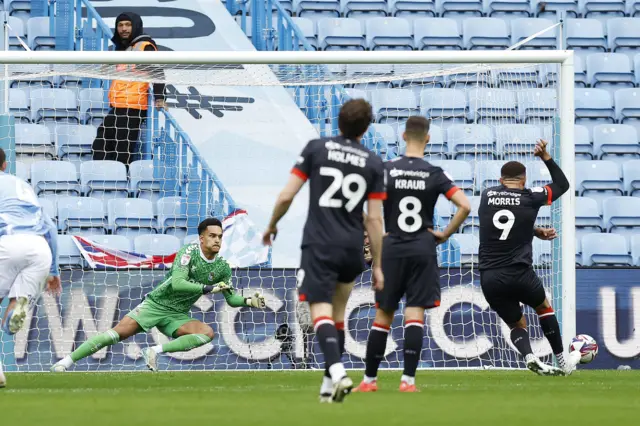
x=487 y=107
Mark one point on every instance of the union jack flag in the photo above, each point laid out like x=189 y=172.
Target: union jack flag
x=102 y=257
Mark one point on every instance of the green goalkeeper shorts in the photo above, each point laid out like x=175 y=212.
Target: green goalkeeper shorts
x=149 y=314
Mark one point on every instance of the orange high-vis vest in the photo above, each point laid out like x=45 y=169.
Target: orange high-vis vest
x=130 y=94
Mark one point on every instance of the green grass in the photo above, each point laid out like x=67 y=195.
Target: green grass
x=472 y=398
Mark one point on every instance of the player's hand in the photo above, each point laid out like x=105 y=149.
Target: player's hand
x=160 y=104
x=257 y=301
x=269 y=235
x=217 y=288
x=378 y=278
x=546 y=234
x=441 y=237
x=54 y=285
x=368 y=257
x=541 y=150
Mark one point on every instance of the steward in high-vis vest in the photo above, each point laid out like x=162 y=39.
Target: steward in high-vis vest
x=117 y=136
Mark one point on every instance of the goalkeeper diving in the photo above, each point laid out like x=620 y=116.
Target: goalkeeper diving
x=197 y=269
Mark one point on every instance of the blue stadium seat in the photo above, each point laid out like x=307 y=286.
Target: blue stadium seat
x=471 y=141
x=526 y=27
x=380 y=137
x=579 y=249
x=389 y=34
x=627 y=102
x=315 y=9
x=460 y=171
x=537 y=104
x=16 y=32
x=68 y=253
x=74 y=142
x=631 y=176
x=392 y=105
x=172 y=216
x=585 y=34
x=468 y=245
x=508 y=9
x=489 y=105
x=633 y=8
x=49 y=207
x=33 y=140
x=598 y=179
x=605 y=250
x=54 y=177
x=616 y=142
x=623 y=35
x=588 y=218
x=93 y=106
x=357 y=94
x=39 y=35
x=54 y=105
x=22 y=171
x=158 y=245
x=143 y=184
x=412 y=9
x=307 y=26
x=116 y=242
x=609 y=69
x=487 y=174
x=583 y=146
x=579 y=72
x=19 y=105
x=634 y=246
x=436 y=149
x=131 y=217
x=537 y=174
x=444 y=106
x=191 y=238
x=544 y=217
x=104 y=179
x=514 y=79
x=24 y=77
x=620 y=215
x=436 y=33
x=593 y=107
x=542 y=254
x=442 y=213
x=553 y=7
x=517 y=141
x=605 y=9
x=462 y=8
x=485 y=33
x=340 y=34
x=81 y=216
x=363 y=9
x=369 y=71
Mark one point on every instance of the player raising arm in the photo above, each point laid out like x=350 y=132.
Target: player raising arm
x=409 y=258
x=507 y=225
x=342 y=175
x=28 y=250
x=197 y=269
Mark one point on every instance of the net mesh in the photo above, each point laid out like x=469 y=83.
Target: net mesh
x=135 y=187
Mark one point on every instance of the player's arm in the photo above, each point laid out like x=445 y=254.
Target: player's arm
x=560 y=183
x=53 y=282
x=235 y=300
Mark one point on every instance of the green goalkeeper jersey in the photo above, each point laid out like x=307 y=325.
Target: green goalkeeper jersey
x=190 y=272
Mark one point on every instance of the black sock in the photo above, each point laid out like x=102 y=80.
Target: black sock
x=340 y=330
x=376 y=344
x=520 y=339
x=413 y=332
x=551 y=330
x=328 y=339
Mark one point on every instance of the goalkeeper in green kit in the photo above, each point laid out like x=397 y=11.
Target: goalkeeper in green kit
x=197 y=269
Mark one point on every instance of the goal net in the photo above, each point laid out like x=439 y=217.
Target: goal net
x=123 y=209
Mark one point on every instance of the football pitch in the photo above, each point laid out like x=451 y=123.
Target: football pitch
x=290 y=398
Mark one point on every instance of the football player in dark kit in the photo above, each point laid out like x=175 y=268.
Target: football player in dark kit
x=409 y=258
x=507 y=226
x=342 y=175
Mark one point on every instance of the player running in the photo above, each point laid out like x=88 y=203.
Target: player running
x=197 y=269
x=28 y=250
x=507 y=225
x=409 y=258
x=342 y=174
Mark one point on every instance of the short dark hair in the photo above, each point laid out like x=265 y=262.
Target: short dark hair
x=354 y=118
x=212 y=221
x=513 y=169
x=3 y=156
x=417 y=127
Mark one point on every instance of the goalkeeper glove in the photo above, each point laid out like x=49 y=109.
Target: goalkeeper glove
x=257 y=301
x=217 y=288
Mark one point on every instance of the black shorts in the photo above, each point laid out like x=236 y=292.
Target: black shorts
x=321 y=268
x=417 y=276
x=505 y=288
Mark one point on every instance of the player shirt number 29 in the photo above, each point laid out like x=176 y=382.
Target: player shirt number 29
x=352 y=186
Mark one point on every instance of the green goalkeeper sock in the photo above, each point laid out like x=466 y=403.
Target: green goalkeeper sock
x=184 y=343
x=94 y=344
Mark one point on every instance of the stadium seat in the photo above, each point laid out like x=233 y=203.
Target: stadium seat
x=436 y=33
x=436 y=148
x=380 y=137
x=81 y=216
x=172 y=216
x=537 y=174
x=442 y=213
x=131 y=217
x=74 y=141
x=17 y=33
x=156 y=245
x=515 y=141
x=104 y=179
x=307 y=26
x=598 y=179
x=471 y=142
x=634 y=246
x=623 y=35
x=39 y=35
x=54 y=105
x=54 y=177
x=143 y=184
x=468 y=245
x=116 y=242
x=25 y=77
x=412 y=10
x=472 y=222
x=22 y=171
x=537 y=104
x=588 y=218
x=49 y=207
x=487 y=174
x=609 y=69
x=317 y=9
x=489 y=105
x=586 y=34
x=19 y=105
x=583 y=146
x=459 y=8
x=524 y=28
x=392 y=105
x=605 y=9
x=33 y=140
x=69 y=256
x=542 y=253
x=191 y=238
x=593 y=107
x=363 y=9
x=508 y=9
x=544 y=217
x=605 y=250
x=444 y=106
x=616 y=142
x=485 y=33
x=551 y=8
x=388 y=34
x=460 y=171
x=340 y=34
x=627 y=102
x=620 y=215
x=633 y=8
x=93 y=106
x=631 y=177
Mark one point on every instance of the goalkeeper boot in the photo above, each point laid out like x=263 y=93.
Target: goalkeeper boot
x=150 y=358
x=367 y=387
x=3 y=380
x=326 y=398
x=58 y=368
x=341 y=389
x=406 y=387
x=16 y=318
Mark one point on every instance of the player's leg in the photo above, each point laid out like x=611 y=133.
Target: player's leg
x=14 y=257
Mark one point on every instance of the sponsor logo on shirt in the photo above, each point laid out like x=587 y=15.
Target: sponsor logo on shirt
x=412 y=173
x=211 y=276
